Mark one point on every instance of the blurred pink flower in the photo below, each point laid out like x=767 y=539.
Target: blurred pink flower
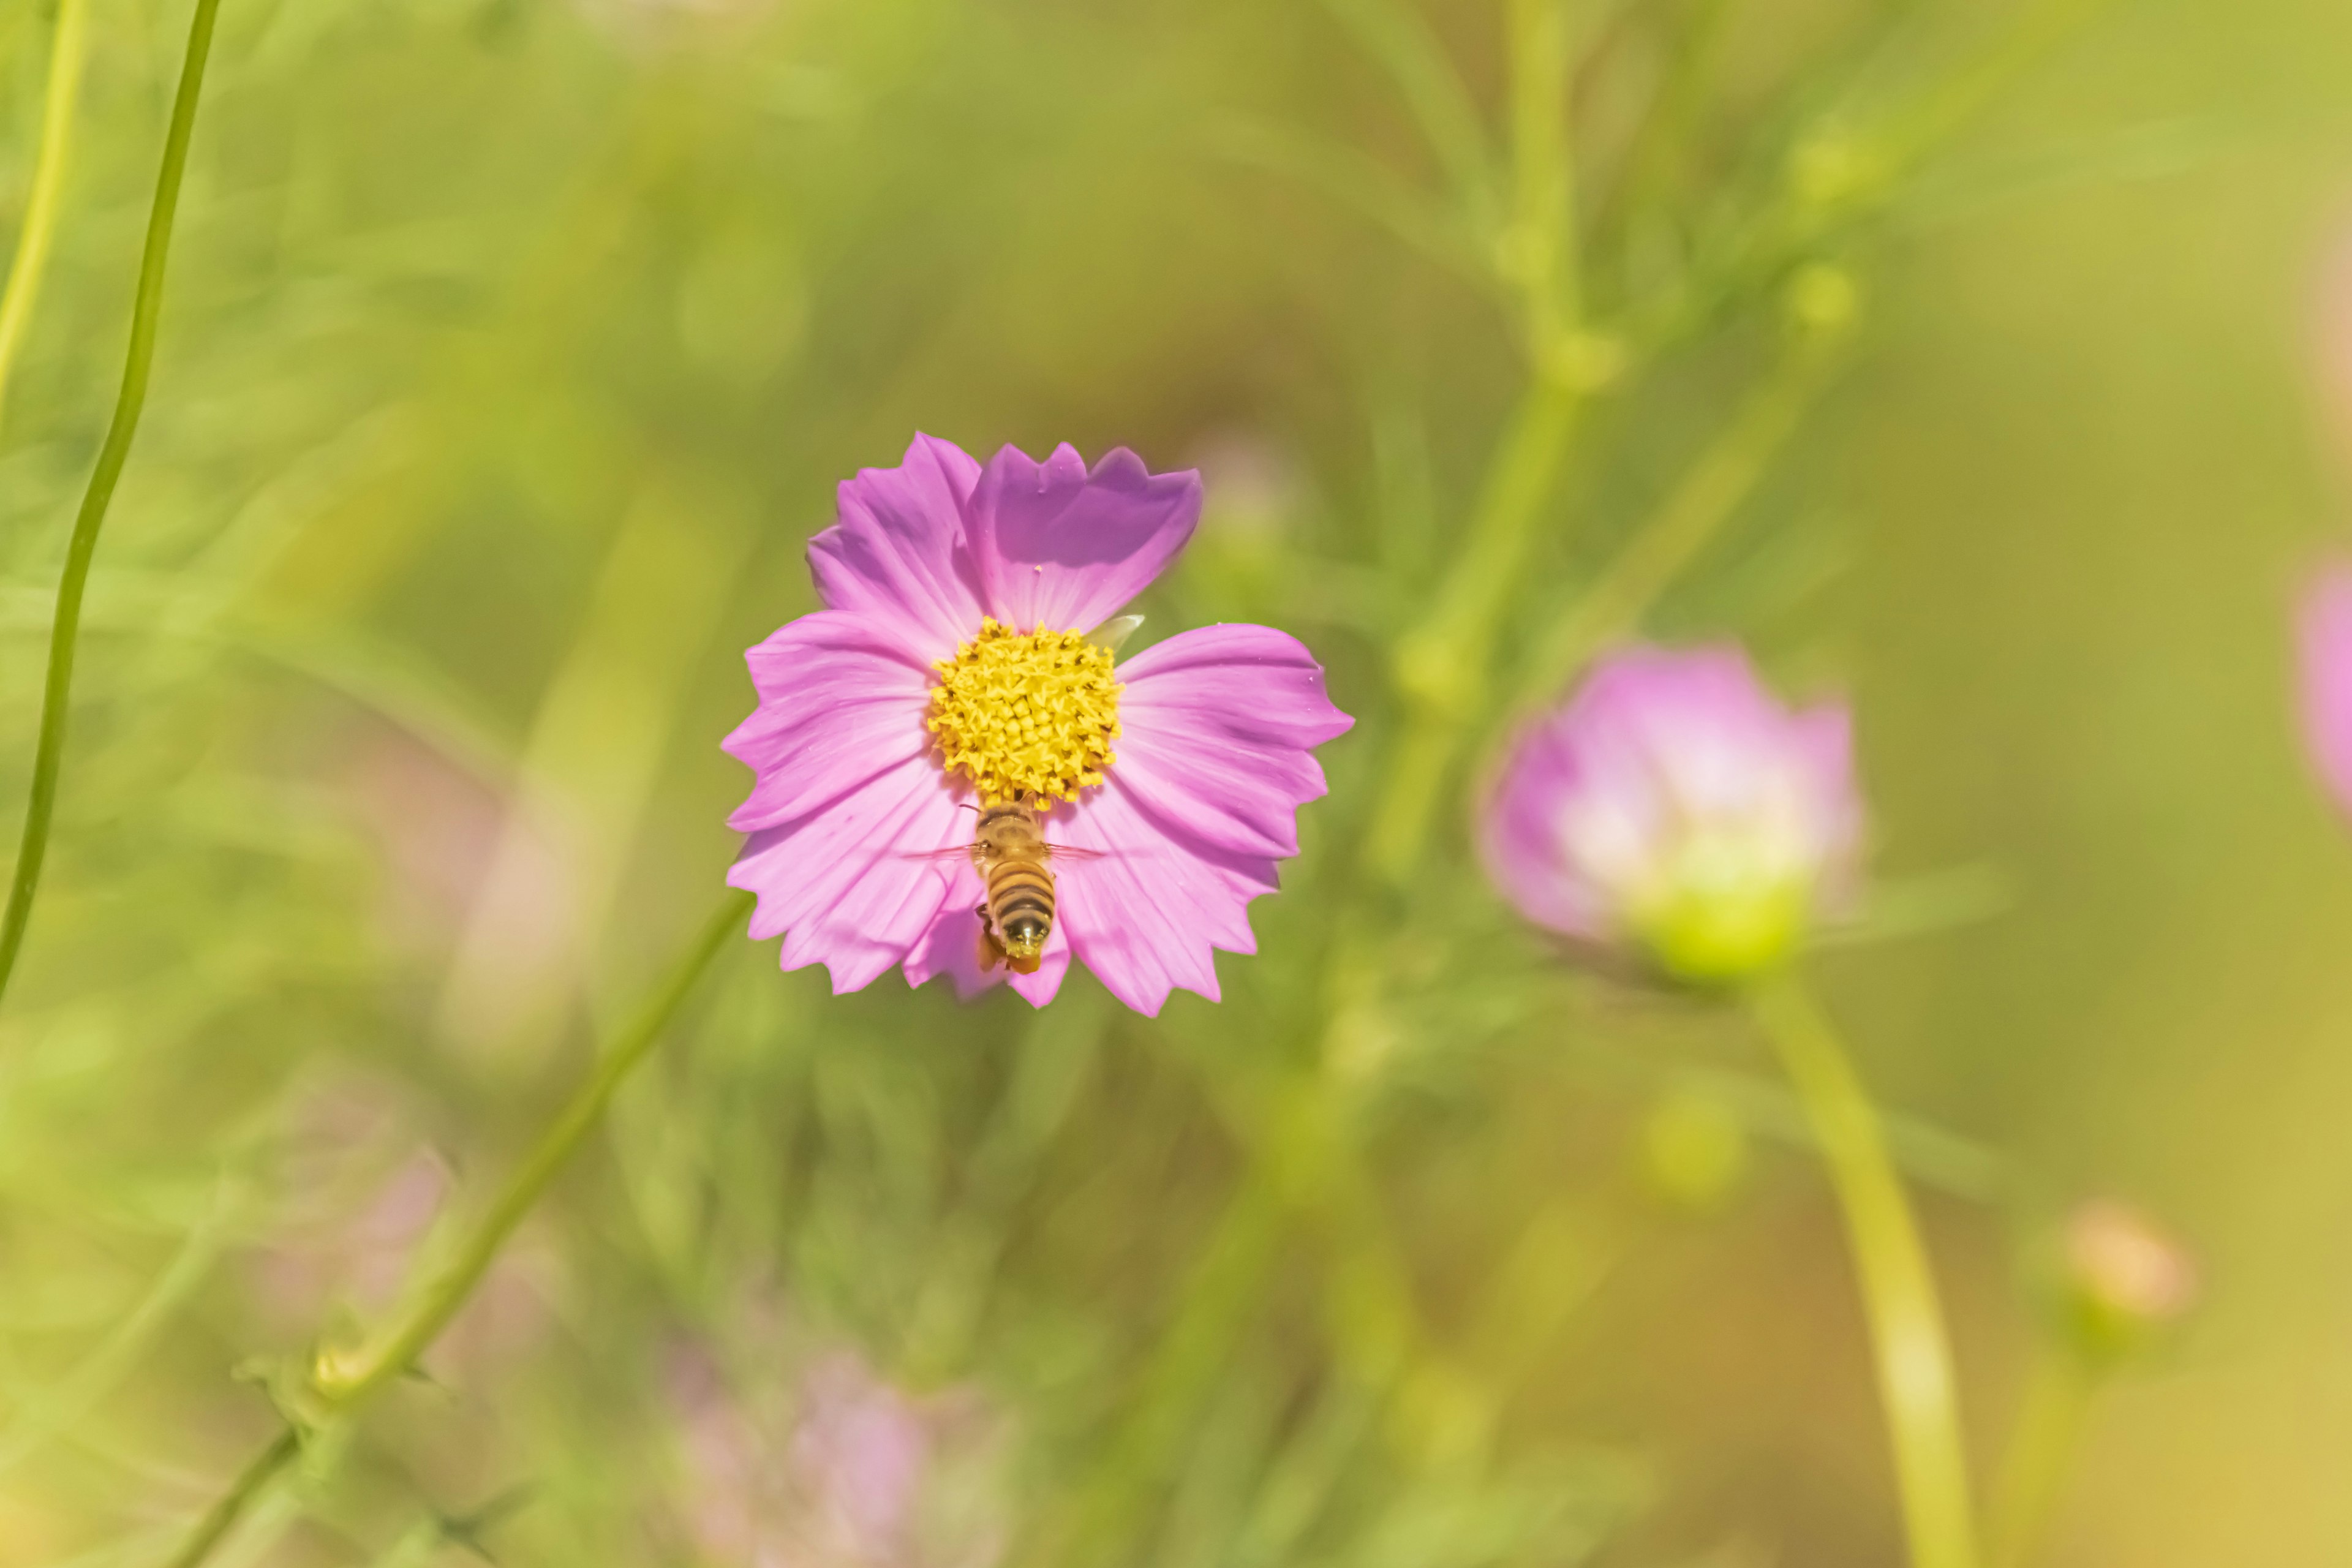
x=2118 y=1255
x=916 y=690
x=2325 y=631
x=1674 y=804
x=2126 y=1278
x=851 y=1473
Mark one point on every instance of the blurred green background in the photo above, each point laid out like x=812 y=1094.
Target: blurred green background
x=511 y=351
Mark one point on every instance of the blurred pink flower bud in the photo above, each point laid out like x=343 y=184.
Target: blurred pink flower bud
x=2324 y=627
x=1673 y=804
x=2125 y=1278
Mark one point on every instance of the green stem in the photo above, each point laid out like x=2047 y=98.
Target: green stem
x=1693 y=514
x=255 y=1479
x=347 y=1379
x=1441 y=666
x=1541 y=253
x=1911 y=1350
x=343 y=1385
x=32 y=257
x=2041 y=1451
x=56 y=695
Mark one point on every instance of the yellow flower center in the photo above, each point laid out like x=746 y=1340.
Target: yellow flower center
x=1026 y=714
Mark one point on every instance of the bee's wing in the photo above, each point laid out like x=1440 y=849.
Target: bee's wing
x=1072 y=852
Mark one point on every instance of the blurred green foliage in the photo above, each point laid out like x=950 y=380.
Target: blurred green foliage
x=1951 y=354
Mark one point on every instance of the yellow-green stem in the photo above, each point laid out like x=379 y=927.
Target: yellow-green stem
x=40 y=225
x=1693 y=514
x=56 y=695
x=1441 y=668
x=1911 y=1350
x=2041 y=1451
x=256 y=1478
x=348 y=1379
x=1539 y=253
x=340 y=1385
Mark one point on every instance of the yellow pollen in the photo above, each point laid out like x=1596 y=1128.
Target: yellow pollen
x=1026 y=714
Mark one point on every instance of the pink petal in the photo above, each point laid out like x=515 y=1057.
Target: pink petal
x=1216 y=729
x=840 y=703
x=853 y=884
x=1063 y=549
x=899 y=553
x=2325 y=632
x=1146 y=913
x=950 y=946
x=1520 y=837
x=1822 y=738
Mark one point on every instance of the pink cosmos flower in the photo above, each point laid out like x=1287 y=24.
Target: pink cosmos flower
x=1674 y=805
x=950 y=668
x=2325 y=631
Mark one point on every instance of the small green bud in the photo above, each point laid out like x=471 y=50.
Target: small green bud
x=1694 y=1150
x=1832 y=166
x=1821 y=299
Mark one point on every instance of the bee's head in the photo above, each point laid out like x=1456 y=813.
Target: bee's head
x=1024 y=936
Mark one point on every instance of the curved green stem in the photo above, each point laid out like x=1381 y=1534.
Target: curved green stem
x=2040 y=1450
x=56 y=695
x=32 y=257
x=255 y=1479
x=348 y=1379
x=340 y=1384
x=1912 y=1352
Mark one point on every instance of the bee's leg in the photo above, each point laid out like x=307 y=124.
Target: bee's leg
x=991 y=955
x=1024 y=965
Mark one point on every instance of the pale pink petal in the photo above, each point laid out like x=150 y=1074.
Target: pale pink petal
x=2325 y=629
x=1216 y=729
x=1061 y=548
x=1595 y=804
x=899 y=552
x=1146 y=910
x=1822 y=741
x=839 y=704
x=1520 y=838
x=950 y=946
x=853 y=884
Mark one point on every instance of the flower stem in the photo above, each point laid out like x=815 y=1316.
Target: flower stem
x=341 y=1385
x=1541 y=252
x=32 y=257
x=57 y=692
x=2040 y=1450
x=1708 y=495
x=1441 y=666
x=229 y=1507
x=1912 y=1352
x=346 y=1380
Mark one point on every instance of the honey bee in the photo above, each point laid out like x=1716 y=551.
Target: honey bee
x=1016 y=915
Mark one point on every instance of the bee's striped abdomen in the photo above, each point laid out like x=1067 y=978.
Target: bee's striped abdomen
x=1021 y=904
